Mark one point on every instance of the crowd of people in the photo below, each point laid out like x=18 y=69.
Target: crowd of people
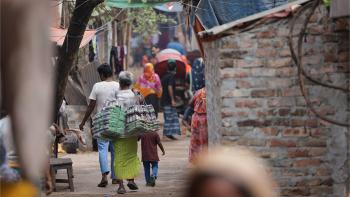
x=151 y=89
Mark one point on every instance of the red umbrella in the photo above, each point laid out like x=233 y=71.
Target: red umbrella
x=163 y=56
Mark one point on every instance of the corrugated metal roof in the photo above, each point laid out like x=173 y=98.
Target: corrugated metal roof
x=58 y=35
x=224 y=27
x=89 y=77
x=72 y=94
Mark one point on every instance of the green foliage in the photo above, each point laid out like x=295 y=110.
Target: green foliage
x=102 y=14
x=145 y=21
x=327 y=2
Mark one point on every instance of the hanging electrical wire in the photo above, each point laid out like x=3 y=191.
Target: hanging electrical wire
x=297 y=58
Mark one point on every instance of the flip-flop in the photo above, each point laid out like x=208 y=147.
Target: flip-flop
x=103 y=184
x=132 y=186
x=121 y=190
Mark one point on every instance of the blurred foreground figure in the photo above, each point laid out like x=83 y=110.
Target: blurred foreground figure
x=230 y=172
x=26 y=87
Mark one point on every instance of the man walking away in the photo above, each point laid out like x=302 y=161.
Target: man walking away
x=171 y=120
x=101 y=92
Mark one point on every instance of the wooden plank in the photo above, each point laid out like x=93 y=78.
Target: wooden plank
x=219 y=29
x=60 y=161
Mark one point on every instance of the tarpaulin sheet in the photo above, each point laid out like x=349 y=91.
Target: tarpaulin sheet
x=58 y=35
x=170 y=7
x=135 y=3
x=213 y=13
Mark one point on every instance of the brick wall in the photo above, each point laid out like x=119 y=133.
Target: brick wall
x=254 y=100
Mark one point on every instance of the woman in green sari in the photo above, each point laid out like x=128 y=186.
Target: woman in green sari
x=126 y=162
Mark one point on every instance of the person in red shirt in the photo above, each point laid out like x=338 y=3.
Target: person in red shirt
x=149 y=143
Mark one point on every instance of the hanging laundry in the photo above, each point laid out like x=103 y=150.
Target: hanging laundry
x=92 y=53
x=115 y=61
x=198 y=77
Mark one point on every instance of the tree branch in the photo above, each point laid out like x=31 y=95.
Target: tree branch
x=80 y=18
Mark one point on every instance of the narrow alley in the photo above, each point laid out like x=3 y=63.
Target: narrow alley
x=172 y=169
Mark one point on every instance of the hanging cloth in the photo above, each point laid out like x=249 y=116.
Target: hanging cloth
x=115 y=61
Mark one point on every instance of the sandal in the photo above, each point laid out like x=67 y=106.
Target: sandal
x=121 y=190
x=102 y=184
x=132 y=186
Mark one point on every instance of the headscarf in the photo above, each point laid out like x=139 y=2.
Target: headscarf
x=148 y=72
x=149 y=82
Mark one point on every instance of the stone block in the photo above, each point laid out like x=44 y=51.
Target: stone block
x=315 y=143
x=247 y=103
x=293 y=91
x=235 y=93
x=344 y=56
x=278 y=83
x=266 y=52
x=241 y=83
x=281 y=122
x=263 y=72
x=232 y=53
x=282 y=143
x=247 y=63
x=298 y=112
x=251 y=142
x=286 y=72
x=269 y=33
x=306 y=163
x=317 y=152
x=281 y=102
x=295 y=153
x=269 y=131
x=295 y=132
x=254 y=123
x=285 y=52
x=284 y=112
x=279 y=62
x=263 y=93
x=234 y=73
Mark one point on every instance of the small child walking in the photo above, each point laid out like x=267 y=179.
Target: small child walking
x=150 y=159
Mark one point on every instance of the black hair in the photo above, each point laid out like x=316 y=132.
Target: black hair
x=105 y=70
x=176 y=39
x=171 y=66
x=198 y=180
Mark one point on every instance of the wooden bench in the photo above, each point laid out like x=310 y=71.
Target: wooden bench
x=62 y=164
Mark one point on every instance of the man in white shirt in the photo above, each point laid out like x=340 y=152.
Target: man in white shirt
x=101 y=92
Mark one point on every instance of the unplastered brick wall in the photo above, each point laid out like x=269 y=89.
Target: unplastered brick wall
x=254 y=100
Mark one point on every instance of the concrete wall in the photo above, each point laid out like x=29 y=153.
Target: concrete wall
x=254 y=100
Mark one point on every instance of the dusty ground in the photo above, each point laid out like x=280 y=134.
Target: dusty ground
x=172 y=169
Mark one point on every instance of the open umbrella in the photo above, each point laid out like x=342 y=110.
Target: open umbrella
x=163 y=57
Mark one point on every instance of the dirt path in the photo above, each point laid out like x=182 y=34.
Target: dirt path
x=172 y=170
